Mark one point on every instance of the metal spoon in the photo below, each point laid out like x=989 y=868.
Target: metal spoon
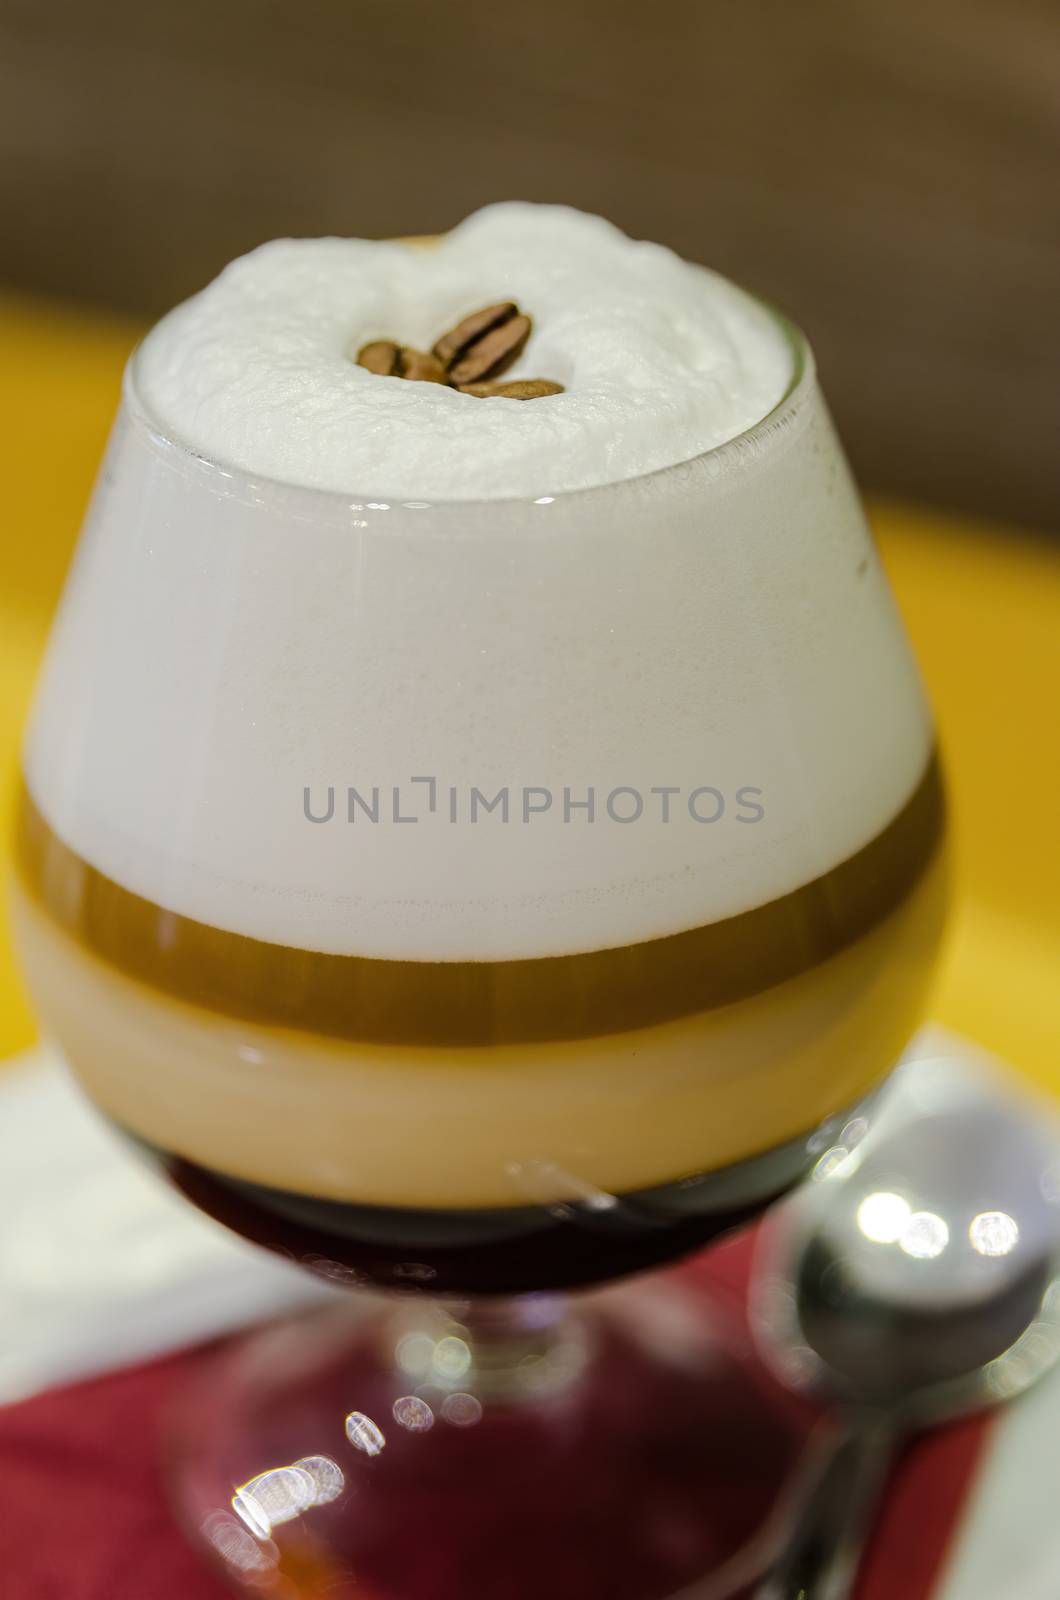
x=915 y=1281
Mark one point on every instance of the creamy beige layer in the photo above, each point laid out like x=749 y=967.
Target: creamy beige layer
x=413 y=1125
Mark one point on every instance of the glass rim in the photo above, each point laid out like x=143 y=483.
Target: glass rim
x=800 y=382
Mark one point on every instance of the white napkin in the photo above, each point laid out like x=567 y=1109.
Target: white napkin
x=101 y=1263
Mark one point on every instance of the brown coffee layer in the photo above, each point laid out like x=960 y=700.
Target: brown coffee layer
x=478 y=1002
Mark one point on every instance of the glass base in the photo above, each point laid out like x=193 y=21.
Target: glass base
x=499 y=1450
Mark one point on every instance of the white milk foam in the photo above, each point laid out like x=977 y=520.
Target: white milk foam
x=226 y=642
x=660 y=360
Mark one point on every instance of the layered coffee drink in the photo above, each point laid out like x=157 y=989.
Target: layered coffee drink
x=481 y=828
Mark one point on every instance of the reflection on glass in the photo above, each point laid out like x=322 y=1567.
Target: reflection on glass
x=993 y=1233
x=413 y=1413
x=251 y=1557
x=276 y=1496
x=364 y=1434
x=925 y=1236
x=462 y=1410
x=883 y=1217
x=831 y=1164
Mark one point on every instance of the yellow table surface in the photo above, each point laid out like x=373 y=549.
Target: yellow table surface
x=982 y=605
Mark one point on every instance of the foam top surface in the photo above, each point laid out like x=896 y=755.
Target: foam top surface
x=660 y=359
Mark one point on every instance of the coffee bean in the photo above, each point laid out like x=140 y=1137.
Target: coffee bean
x=379 y=356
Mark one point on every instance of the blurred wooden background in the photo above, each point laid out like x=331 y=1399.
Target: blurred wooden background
x=887 y=169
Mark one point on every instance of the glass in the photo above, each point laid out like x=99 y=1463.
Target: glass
x=480 y=900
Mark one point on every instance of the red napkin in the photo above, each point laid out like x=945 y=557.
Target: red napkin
x=84 y=1513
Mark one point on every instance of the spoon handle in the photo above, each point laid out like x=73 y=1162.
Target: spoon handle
x=820 y=1559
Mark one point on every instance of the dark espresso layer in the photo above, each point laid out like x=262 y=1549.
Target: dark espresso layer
x=507 y=1250
x=480 y=1002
